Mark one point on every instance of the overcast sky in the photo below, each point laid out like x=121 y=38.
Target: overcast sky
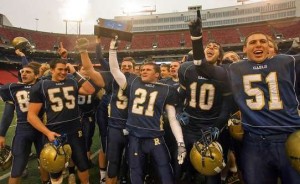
x=48 y=15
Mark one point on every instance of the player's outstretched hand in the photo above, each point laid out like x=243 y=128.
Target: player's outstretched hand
x=114 y=43
x=195 y=27
x=82 y=44
x=181 y=153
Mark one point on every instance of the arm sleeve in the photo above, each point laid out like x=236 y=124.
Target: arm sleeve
x=174 y=124
x=115 y=70
x=7 y=117
x=24 y=61
x=198 y=51
x=99 y=57
x=225 y=112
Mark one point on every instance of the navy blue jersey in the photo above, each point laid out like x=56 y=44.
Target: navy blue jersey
x=265 y=94
x=169 y=81
x=18 y=94
x=204 y=97
x=60 y=100
x=88 y=103
x=146 y=106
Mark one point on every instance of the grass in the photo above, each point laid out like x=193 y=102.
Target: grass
x=34 y=176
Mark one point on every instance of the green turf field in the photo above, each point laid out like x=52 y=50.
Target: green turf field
x=33 y=177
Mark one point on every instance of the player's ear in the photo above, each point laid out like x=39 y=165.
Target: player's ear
x=244 y=49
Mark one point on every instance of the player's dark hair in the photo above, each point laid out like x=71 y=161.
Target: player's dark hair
x=53 y=63
x=35 y=66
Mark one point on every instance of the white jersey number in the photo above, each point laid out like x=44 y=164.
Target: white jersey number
x=258 y=102
x=58 y=101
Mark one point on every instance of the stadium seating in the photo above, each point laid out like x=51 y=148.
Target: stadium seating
x=168 y=39
x=8 y=76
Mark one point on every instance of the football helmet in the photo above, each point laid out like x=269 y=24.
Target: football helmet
x=21 y=43
x=207 y=156
x=5 y=158
x=293 y=150
x=55 y=156
x=235 y=126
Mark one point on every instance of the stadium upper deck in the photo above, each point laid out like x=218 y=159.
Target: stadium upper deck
x=167 y=34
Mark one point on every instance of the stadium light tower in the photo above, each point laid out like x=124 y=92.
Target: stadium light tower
x=78 y=23
x=242 y=1
x=36 y=23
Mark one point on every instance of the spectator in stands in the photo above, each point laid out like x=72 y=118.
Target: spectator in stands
x=164 y=71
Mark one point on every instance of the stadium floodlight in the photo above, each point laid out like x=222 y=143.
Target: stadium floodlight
x=130 y=9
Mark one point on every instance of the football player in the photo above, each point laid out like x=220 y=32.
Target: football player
x=25 y=135
x=59 y=98
x=264 y=90
x=147 y=102
x=118 y=103
x=207 y=101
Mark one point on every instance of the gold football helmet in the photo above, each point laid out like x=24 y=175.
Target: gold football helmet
x=21 y=43
x=207 y=159
x=292 y=149
x=55 y=156
x=235 y=126
x=5 y=158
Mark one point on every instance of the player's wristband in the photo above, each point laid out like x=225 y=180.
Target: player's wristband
x=79 y=78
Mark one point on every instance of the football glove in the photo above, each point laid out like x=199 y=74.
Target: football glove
x=195 y=27
x=181 y=152
x=114 y=43
x=82 y=44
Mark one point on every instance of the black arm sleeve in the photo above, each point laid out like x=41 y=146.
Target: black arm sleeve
x=225 y=112
x=99 y=57
x=210 y=71
x=198 y=51
x=7 y=117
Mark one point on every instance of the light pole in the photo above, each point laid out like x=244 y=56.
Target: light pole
x=36 y=23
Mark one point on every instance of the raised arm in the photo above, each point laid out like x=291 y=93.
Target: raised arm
x=203 y=68
x=114 y=65
x=82 y=45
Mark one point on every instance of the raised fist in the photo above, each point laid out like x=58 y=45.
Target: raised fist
x=82 y=44
x=195 y=27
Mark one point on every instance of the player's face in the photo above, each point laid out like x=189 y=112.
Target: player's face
x=164 y=73
x=148 y=74
x=212 y=52
x=272 y=51
x=137 y=70
x=127 y=66
x=28 y=76
x=232 y=57
x=257 y=48
x=59 y=73
x=174 y=66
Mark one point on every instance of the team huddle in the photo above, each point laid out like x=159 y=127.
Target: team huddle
x=159 y=128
